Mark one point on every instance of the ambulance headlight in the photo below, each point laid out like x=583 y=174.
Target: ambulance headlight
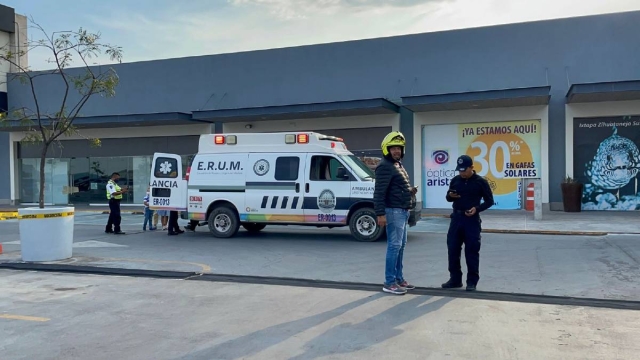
x=290 y=138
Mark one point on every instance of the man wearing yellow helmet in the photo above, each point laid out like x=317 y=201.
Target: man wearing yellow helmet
x=393 y=198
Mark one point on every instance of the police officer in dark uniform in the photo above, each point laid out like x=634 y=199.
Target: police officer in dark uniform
x=114 y=195
x=465 y=191
x=174 y=228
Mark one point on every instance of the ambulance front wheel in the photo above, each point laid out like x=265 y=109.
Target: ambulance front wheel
x=224 y=222
x=364 y=226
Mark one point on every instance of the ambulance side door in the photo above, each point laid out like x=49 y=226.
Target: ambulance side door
x=168 y=188
x=327 y=193
x=274 y=184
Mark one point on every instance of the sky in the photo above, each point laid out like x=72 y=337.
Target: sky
x=160 y=29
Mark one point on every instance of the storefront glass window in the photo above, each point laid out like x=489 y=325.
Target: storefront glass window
x=84 y=180
x=56 y=178
x=141 y=177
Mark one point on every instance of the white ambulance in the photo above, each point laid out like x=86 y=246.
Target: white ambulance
x=258 y=179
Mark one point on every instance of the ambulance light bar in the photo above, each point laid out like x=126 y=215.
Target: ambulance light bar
x=290 y=139
x=229 y=139
x=296 y=138
x=331 y=138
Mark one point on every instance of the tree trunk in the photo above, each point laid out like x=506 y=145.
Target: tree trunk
x=43 y=160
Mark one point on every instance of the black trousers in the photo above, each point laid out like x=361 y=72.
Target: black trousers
x=464 y=230
x=174 y=228
x=114 y=216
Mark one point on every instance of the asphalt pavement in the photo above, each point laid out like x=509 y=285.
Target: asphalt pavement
x=600 y=267
x=71 y=316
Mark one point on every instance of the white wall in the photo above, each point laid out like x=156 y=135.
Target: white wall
x=348 y=122
x=485 y=115
x=5 y=67
x=20 y=36
x=613 y=108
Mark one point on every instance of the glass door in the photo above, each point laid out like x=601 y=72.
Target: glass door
x=59 y=187
x=80 y=181
x=56 y=181
x=141 y=177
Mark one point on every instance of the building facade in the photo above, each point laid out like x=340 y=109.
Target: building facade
x=13 y=37
x=522 y=99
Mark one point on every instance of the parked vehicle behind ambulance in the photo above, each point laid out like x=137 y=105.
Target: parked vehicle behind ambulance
x=258 y=179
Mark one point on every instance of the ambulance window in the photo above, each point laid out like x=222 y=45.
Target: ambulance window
x=287 y=168
x=325 y=168
x=165 y=168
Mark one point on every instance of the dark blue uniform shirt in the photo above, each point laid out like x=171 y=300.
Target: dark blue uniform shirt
x=471 y=190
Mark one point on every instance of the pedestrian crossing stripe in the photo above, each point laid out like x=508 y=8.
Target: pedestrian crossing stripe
x=45 y=216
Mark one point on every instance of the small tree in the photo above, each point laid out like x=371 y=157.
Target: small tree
x=44 y=126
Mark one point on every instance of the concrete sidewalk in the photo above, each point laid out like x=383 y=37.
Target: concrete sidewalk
x=596 y=223
x=553 y=222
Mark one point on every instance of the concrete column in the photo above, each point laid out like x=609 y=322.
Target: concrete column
x=537 y=199
x=406 y=128
x=5 y=168
x=216 y=128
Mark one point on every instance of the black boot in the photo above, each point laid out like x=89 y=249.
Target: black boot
x=452 y=284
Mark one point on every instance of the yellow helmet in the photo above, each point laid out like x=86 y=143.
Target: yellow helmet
x=394 y=138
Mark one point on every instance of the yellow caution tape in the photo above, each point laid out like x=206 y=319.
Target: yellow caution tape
x=8 y=215
x=45 y=216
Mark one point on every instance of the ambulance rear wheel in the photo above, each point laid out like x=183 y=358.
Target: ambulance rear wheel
x=224 y=222
x=253 y=227
x=364 y=225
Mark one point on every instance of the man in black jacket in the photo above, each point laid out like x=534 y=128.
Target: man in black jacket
x=393 y=198
x=465 y=191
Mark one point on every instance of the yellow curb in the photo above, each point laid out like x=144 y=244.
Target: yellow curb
x=24 y=318
x=8 y=215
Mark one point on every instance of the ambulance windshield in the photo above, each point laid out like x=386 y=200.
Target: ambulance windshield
x=360 y=169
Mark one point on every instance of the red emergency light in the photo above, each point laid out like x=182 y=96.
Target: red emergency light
x=303 y=138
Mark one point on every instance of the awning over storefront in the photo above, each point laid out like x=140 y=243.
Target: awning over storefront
x=479 y=99
x=111 y=121
x=299 y=111
x=604 y=91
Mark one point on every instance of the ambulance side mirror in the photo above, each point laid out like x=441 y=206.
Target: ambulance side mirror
x=342 y=174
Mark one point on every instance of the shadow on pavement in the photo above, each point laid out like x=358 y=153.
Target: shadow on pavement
x=343 y=338
x=350 y=337
x=255 y=342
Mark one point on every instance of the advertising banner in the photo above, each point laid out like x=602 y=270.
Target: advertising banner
x=606 y=160
x=503 y=152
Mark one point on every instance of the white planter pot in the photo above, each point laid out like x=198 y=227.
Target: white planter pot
x=46 y=234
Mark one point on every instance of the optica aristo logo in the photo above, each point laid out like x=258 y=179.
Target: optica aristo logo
x=440 y=157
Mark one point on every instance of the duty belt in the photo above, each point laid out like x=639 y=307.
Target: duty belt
x=462 y=212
